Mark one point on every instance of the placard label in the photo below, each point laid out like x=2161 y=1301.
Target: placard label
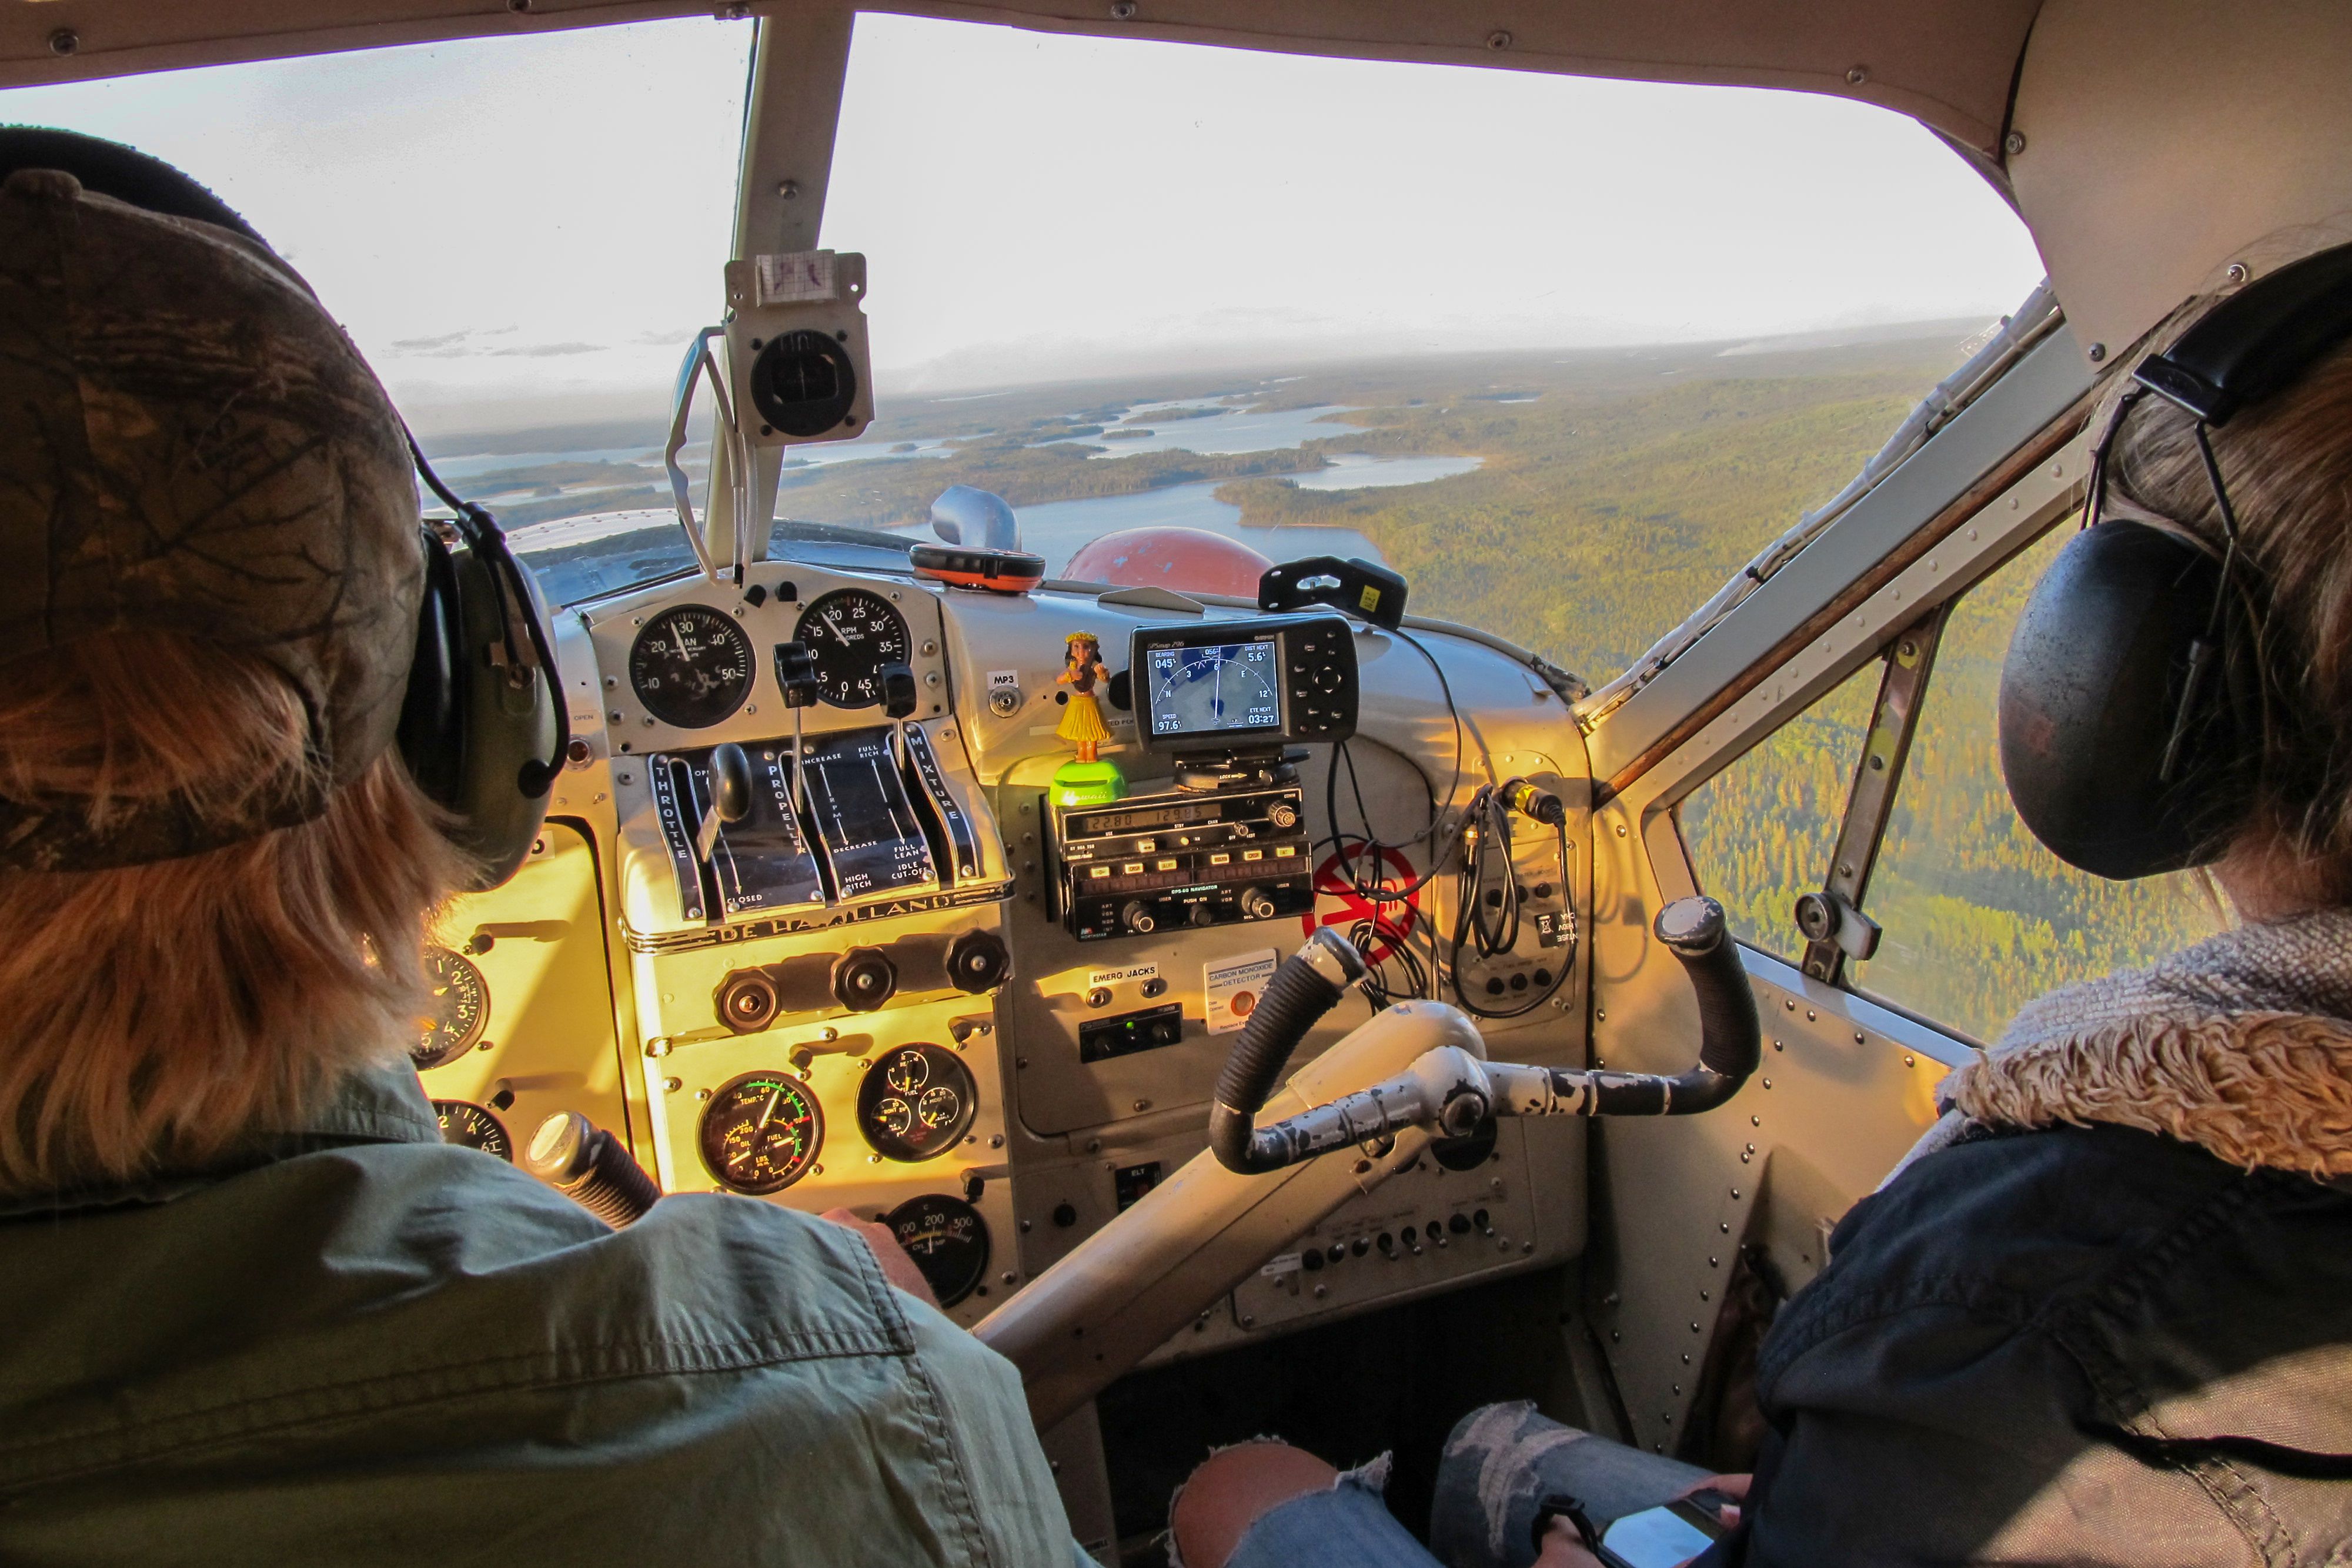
x=1233 y=986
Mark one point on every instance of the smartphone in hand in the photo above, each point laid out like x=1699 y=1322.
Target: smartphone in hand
x=1661 y=1537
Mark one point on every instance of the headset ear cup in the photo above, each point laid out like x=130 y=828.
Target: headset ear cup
x=507 y=720
x=432 y=733
x=2089 y=692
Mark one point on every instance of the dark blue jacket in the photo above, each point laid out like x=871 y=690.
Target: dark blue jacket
x=2083 y=1345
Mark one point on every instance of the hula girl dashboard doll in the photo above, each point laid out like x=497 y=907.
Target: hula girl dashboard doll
x=1087 y=779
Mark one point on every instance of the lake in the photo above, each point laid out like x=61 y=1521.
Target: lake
x=1219 y=435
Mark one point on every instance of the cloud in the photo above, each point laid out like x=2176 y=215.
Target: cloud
x=416 y=345
x=547 y=351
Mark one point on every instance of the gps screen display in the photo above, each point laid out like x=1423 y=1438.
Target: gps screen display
x=1214 y=688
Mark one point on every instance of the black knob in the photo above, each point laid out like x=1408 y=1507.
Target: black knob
x=1387 y=1244
x=979 y=961
x=1459 y=1225
x=1486 y=1226
x=730 y=782
x=1065 y=1214
x=1201 y=915
x=1283 y=814
x=864 y=978
x=588 y=1164
x=796 y=675
x=1335 y=1253
x=1312 y=1260
x=747 y=1000
x=1256 y=905
x=1137 y=918
x=897 y=690
x=1360 y=1247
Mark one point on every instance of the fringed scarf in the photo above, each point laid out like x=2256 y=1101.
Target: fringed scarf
x=2242 y=1045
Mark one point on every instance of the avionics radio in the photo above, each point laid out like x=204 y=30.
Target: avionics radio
x=1187 y=858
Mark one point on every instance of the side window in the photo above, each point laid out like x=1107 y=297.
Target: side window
x=1979 y=918
x=1760 y=832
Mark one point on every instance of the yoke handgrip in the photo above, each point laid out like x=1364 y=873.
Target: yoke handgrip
x=1730 y=1033
x=1304 y=986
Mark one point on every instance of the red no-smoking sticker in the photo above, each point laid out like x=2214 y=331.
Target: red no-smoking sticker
x=1337 y=902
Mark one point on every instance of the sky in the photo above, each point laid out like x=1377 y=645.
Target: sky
x=523 y=232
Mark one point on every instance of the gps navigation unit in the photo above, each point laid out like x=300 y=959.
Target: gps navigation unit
x=1244 y=685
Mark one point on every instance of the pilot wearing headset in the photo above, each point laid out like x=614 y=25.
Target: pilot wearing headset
x=2102 y=1314
x=257 y=1311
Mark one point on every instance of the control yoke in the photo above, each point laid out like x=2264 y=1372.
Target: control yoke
x=1450 y=1092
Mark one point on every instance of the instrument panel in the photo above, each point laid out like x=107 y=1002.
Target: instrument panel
x=840 y=964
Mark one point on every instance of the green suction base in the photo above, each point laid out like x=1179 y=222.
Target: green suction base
x=1088 y=784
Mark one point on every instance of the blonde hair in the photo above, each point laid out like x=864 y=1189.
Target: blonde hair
x=2287 y=463
x=156 y=1013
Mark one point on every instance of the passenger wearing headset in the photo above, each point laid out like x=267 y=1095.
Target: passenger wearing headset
x=2102 y=1314
x=257 y=1311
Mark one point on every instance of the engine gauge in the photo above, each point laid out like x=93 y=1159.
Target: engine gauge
x=948 y=1240
x=461 y=1009
x=916 y=1102
x=760 y=1132
x=691 y=666
x=464 y=1124
x=851 y=634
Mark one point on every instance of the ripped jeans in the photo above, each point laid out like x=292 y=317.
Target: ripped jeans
x=1499 y=1463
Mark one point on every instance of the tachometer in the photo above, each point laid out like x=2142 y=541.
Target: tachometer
x=691 y=666
x=760 y=1132
x=851 y=634
x=466 y=1125
x=461 y=1009
x=948 y=1239
x=916 y=1102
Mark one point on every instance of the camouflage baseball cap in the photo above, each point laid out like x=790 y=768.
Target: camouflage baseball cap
x=189 y=443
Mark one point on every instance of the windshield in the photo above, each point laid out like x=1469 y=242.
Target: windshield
x=521 y=234
x=1564 y=352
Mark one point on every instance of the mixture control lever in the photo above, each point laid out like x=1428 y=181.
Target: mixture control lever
x=1452 y=1093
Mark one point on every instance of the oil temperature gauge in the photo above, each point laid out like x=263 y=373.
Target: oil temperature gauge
x=948 y=1240
x=916 y=1102
x=760 y=1132
x=461 y=1009
x=466 y=1125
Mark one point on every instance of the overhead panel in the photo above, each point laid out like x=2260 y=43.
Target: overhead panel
x=2165 y=148
x=1948 y=62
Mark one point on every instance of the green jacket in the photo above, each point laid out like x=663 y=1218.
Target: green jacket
x=358 y=1344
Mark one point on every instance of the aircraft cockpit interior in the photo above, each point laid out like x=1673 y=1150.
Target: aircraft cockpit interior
x=1410 y=846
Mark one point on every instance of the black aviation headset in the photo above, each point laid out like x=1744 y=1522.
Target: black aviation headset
x=2135 y=701
x=483 y=727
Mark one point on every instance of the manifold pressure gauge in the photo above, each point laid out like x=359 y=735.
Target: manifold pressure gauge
x=461 y=1009
x=691 y=666
x=468 y=1125
x=948 y=1240
x=760 y=1132
x=916 y=1102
